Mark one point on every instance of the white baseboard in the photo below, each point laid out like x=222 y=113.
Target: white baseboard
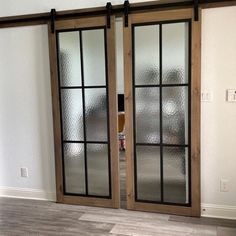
x=218 y=211
x=27 y=193
x=208 y=210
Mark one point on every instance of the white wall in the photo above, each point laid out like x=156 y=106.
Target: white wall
x=218 y=117
x=26 y=122
x=26 y=137
x=13 y=7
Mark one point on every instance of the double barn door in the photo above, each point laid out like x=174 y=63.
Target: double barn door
x=161 y=77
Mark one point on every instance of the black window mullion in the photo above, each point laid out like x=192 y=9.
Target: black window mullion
x=84 y=113
x=134 y=114
x=189 y=109
x=80 y=87
x=163 y=144
x=90 y=142
x=108 y=112
x=162 y=85
x=161 y=128
x=61 y=113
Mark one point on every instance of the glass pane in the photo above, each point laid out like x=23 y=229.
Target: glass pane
x=94 y=57
x=147 y=115
x=98 y=173
x=148 y=173
x=175 y=53
x=175 y=115
x=72 y=114
x=74 y=168
x=175 y=169
x=146 y=55
x=96 y=114
x=69 y=59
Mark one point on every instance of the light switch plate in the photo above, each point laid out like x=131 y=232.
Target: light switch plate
x=231 y=95
x=207 y=96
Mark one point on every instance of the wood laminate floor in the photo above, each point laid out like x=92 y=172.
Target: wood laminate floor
x=31 y=217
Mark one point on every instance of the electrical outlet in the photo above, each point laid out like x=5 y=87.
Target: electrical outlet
x=224 y=185
x=24 y=172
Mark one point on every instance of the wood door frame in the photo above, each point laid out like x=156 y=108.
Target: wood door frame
x=158 y=16
x=86 y=22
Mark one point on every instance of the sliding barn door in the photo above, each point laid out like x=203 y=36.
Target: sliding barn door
x=162 y=92
x=82 y=55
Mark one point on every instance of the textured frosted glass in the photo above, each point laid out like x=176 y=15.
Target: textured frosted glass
x=175 y=53
x=94 y=57
x=175 y=174
x=146 y=55
x=69 y=59
x=98 y=171
x=74 y=168
x=96 y=114
x=148 y=173
x=72 y=114
x=147 y=115
x=175 y=115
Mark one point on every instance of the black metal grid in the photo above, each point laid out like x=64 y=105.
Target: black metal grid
x=160 y=86
x=83 y=88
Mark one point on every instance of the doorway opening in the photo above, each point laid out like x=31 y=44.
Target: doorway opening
x=121 y=109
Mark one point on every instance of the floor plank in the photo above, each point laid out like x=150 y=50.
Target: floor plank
x=223 y=231
x=143 y=231
x=121 y=219
x=205 y=221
